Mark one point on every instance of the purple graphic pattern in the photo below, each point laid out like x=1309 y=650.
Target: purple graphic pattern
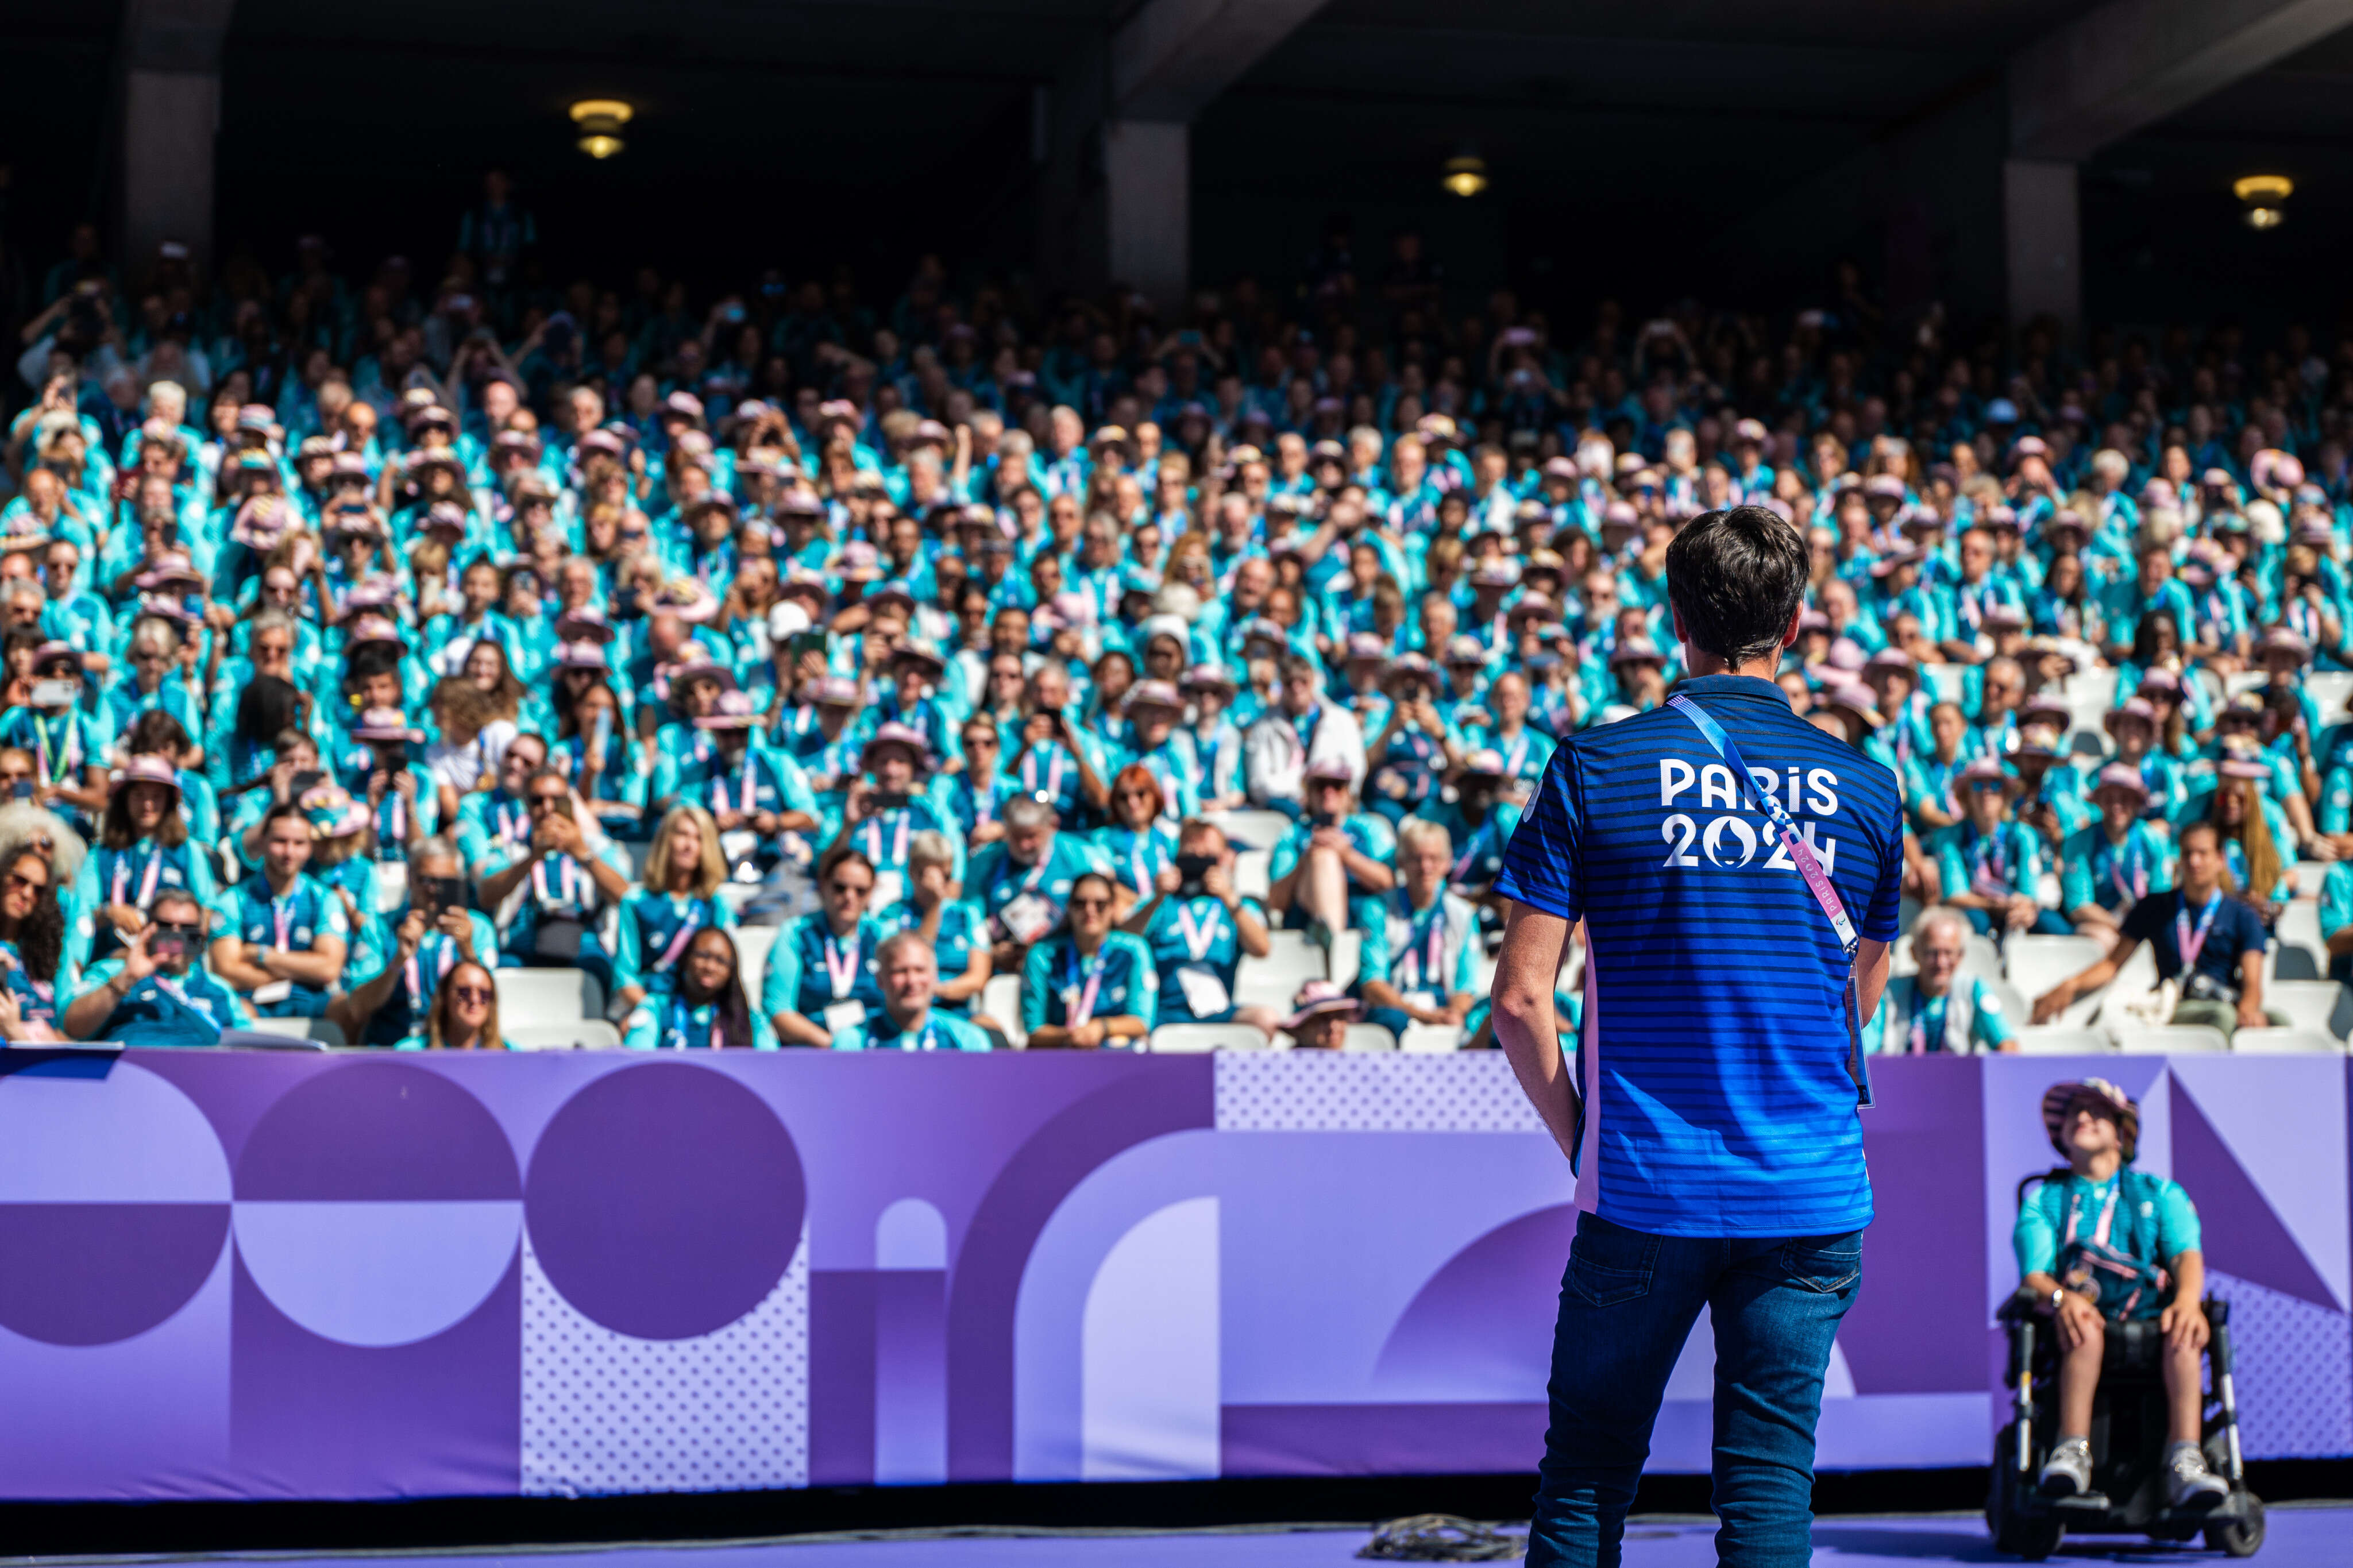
x=225 y=1275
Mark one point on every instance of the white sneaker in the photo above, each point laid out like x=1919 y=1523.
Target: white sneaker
x=2189 y=1484
x=2068 y=1472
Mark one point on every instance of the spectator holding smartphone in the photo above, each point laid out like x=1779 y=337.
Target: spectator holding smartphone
x=428 y=940
x=157 y=991
x=566 y=881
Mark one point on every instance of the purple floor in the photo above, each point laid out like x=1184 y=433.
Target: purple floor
x=2299 y=1538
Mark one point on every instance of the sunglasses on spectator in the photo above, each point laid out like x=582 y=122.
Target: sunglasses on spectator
x=840 y=887
x=1089 y=903
x=18 y=880
x=473 y=996
x=176 y=927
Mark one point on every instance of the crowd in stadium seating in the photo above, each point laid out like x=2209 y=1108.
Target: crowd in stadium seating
x=370 y=639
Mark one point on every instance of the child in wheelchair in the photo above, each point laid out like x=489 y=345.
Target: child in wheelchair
x=2100 y=1244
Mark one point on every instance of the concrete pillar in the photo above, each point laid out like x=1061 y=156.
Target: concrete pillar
x=2044 y=240
x=169 y=120
x=1147 y=187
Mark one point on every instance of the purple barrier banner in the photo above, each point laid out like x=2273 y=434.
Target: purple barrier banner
x=285 y=1275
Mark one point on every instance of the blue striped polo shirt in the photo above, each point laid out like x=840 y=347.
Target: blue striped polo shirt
x=1716 y=983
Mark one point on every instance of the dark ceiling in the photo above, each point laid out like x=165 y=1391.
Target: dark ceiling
x=792 y=132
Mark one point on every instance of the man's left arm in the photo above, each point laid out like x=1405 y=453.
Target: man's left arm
x=2251 y=989
x=2181 y=1243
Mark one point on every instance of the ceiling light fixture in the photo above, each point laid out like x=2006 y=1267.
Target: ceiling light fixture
x=600 y=120
x=1464 y=175
x=2264 y=198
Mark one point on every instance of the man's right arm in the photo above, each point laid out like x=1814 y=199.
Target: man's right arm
x=1527 y=1024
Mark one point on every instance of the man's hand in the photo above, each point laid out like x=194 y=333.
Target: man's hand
x=454 y=925
x=2184 y=1326
x=1328 y=838
x=1168 y=880
x=557 y=835
x=2021 y=912
x=137 y=963
x=411 y=935
x=1218 y=883
x=2252 y=1014
x=2077 y=1320
x=2054 y=1002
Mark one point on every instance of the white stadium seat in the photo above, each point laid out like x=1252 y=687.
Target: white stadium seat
x=579 y=1035
x=2285 y=1042
x=2171 y=1040
x=1370 y=1037
x=2048 y=1040
x=548 y=995
x=1194 y=1038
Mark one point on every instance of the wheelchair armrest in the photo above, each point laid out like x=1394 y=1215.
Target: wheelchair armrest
x=2024 y=1303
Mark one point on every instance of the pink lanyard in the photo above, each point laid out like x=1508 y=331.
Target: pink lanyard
x=566 y=883
x=399 y=808
x=1053 y=773
x=692 y=923
x=1197 y=940
x=281 y=918
x=898 y=840
x=2138 y=887
x=1083 y=1008
x=1431 y=967
x=2108 y=1214
x=449 y=960
x=148 y=877
x=750 y=792
x=2192 y=944
x=840 y=967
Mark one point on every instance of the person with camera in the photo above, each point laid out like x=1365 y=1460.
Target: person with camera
x=1332 y=859
x=63 y=737
x=2207 y=940
x=157 y=991
x=755 y=794
x=882 y=812
x=434 y=934
x=1198 y=927
x=142 y=849
x=567 y=879
x=1054 y=759
x=2100 y=1242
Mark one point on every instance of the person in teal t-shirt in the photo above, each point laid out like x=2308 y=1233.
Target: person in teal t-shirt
x=706 y=1009
x=1937 y=1010
x=907 y=1021
x=2099 y=1243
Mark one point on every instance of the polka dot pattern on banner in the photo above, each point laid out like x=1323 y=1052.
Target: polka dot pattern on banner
x=2295 y=1370
x=725 y=1411
x=1319 y=1091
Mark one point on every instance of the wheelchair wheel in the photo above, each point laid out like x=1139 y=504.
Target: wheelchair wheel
x=2239 y=1537
x=2033 y=1537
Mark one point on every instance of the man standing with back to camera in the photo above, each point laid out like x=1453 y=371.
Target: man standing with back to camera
x=1737 y=871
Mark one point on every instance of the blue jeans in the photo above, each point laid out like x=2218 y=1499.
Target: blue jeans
x=1627 y=1304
